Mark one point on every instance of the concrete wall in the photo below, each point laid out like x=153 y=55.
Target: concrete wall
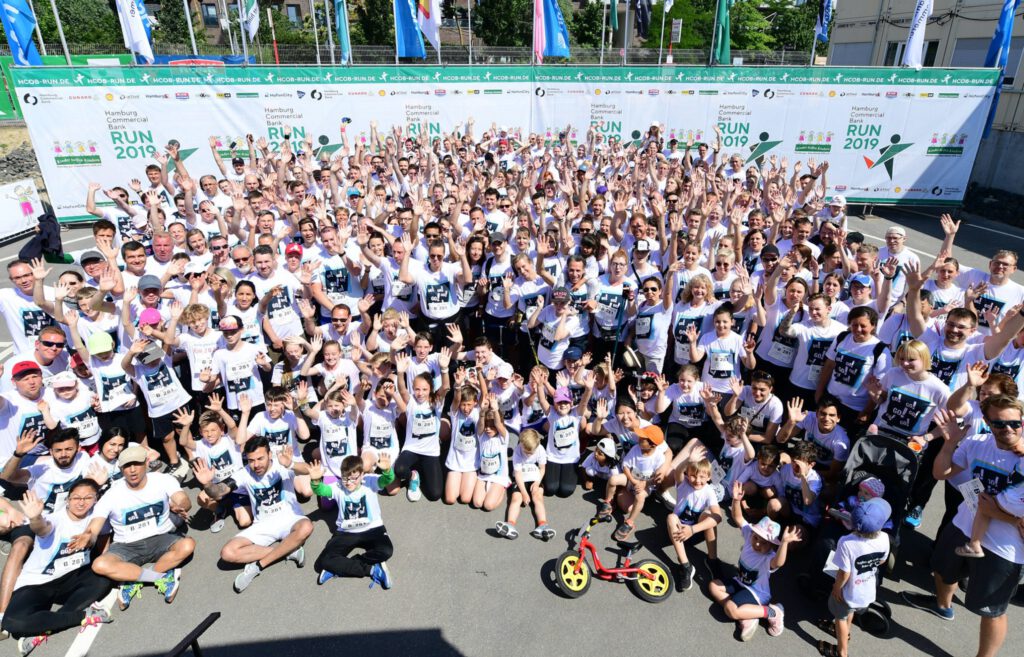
x=1000 y=162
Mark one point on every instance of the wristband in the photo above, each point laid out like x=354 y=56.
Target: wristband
x=19 y=456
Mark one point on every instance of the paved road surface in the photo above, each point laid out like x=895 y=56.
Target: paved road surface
x=460 y=590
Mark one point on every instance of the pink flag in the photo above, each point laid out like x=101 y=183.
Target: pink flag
x=538 y=30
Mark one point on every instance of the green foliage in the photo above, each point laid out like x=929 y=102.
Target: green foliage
x=751 y=30
x=84 y=21
x=792 y=27
x=376 y=21
x=285 y=31
x=172 y=26
x=504 y=22
x=585 y=24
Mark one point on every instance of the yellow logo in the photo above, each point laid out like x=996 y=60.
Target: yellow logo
x=898 y=190
x=109 y=96
x=831 y=94
x=597 y=92
x=381 y=93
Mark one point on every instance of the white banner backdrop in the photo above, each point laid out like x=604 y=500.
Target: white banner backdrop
x=889 y=135
x=19 y=207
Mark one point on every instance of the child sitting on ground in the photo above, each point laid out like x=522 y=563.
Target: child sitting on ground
x=746 y=599
x=696 y=511
x=760 y=479
x=528 y=462
x=601 y=464
x=633 y=486
x=858 y=556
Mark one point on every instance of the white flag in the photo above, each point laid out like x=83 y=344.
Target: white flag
x=428 y=15
x=251 y=18
x=913 y=51
x=134 y=30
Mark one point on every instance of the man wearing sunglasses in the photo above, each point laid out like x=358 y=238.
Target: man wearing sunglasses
x=996 y=462
x=49 y=354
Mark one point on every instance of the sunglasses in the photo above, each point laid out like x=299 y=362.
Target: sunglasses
x=220 y=247
x=242 y=259
x=652 y=289
x=52 y=344
x=1004 y=424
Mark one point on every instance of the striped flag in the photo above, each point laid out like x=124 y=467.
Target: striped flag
x=136 y=32
x=18 y=25
x=251 y=18
x=825 y=11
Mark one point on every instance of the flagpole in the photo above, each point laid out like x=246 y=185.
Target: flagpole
x=223 y=6
x=60 y=31
x=39 y=33
x=661 y=41
x=814 y=43
x=348 y=31
x=191 y=30
x=714 y=33
x=395 y=7
x=316 y=37
x=469 y=17
x=628 y=37
x=604 y=22
x=241 y=30
x=330 y=29
x=273 y=36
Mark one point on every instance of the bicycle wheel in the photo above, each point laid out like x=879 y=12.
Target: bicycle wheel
x=656 y=589
x=572 y=583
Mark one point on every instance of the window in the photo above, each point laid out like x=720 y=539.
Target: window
x=894 y=53
x=210 y=16
x=292 y=12
x=971 y=52
x=851 y=54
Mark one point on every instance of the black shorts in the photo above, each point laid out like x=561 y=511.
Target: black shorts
x=131 y=421
x=993 y=580
x=164 y=425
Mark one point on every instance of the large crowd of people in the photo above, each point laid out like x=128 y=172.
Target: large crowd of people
x=490 y=318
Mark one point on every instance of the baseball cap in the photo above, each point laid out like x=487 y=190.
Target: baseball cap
x=767 y=529
x=353 y=191
x=862 y=279
x=100 y=342
x=91 y=254
x=66 y=379
x=237 y=161
x=607 y=447
x=150 y=282
x=896 y=230
x=133 y=454
x=871 y=516
x=25 y=367
x=559 y=294
x=229 y=323
x=152 y=353
x=873 y=486
x=838 y=200
x=769 y=249
x=505 y=371
x=643 y=246
x=652 y=433
x=150 y=316
x=572 y=353
x=602 y=189
x=293 y=249
x=497 y=236
x=194 y=267
x=563 y=395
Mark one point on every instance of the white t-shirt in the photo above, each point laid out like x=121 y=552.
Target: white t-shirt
x=199 y=350
x=854 y=361
x=279 y=432
x=721 y=359
x=160 y=386
x=379 y=427
x=136 y=514
x=910 y=405
x=835 y=444
x=527 y=466
x=52 y=484
x=549 y=350
x=812 y=344
x=563 y=444
x=422 y=427
x=359 y=510
x=273 y=494
x=753 y=570
x=643 y=466
x=337 y=439
x=439 y=291
x=223 y=456
x=691 y=502
x=760 y=414
x=115 y=390
x=76 y=413
x=239 y=373
x=1002 y=474
x=687 y=409
x=25 y=320
x=792 y=489
x=51 y=558
x=861 y=557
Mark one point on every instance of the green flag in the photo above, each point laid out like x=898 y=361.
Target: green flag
x=721 y=50
x=614 y=15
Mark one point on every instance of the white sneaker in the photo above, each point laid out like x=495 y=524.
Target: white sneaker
x=668 y=497
x=180 y=471
x=299 y=557
x=245 y=578
x=413 y=493
x=217 y=525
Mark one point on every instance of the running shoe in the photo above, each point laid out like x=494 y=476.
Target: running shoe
x=127 y=593
x=775 y=626
x=380 y=574
x=29 y=643
x=245 y=578
x=168 y=584
x=412 y=493
x=325 y=575
x=299 y=557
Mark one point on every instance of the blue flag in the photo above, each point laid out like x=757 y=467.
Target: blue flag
x=998 y=53
x=408 y=40
x=556 y=34
x=147 y=22
x=341 y=27
x=18 y=26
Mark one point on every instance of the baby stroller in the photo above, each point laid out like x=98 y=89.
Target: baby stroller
x=895 y=465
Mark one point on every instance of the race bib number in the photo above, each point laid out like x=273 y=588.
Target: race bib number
x=143 y=520
x=489 y=464
x=643 y=327
x=355 y=514
x=529 y=472
x=720 y=364
x=268 y=500
x=783 y=349
x=160 y=386
x=565 y=437
x=423 y=425
x=86 y=422
x=66 y=560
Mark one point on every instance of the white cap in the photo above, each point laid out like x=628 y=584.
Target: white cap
x=65 y=379
x=194 y=267
x=505 y=371
x=838 y=200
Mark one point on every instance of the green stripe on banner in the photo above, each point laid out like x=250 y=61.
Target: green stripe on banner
x=183 y=75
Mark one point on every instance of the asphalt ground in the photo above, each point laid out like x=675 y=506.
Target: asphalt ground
x=461 y=590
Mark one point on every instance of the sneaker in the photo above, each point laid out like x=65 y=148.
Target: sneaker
x=96 y=616
x=217 y=525
x=127 y=593
x=714 y=568
x=29 y=643
x=684 y=581
x=245 y=578
x=299 y=557
x=412 y=493
x=913 y=518
x=543 y=532
x=508 y=531
x=381 y=575
x=623 y=531
x=168 y=585
x=668 y=498
x=180 y=471
x=748 y=628
x=324 y=576
x=927 y=603
x=604 y=509
x=775 y=626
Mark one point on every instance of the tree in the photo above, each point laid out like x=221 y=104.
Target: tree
x=172 y=26
x=504 y=22
x=376 y=21
x=750 y=29
x=287 y=33
x=585 y=25
x=84 y=21
x=792 y=27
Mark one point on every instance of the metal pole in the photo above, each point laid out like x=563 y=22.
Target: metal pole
x=223 y=5
x=330 y=28
x=628 y=38
x=814 y=43
x=604 y=22
x=469 y=17
x=273 y=36
x=241 y=35
x=191 y=30
x=396 y=38
x=661 y=42
x=39 y=33
x=60 y=31
x=316 y=37
x=348 y=31
x=714 y=33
